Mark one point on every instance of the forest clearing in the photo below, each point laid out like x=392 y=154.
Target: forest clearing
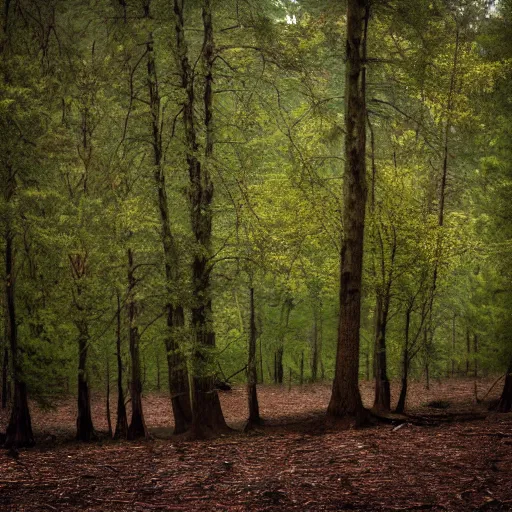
x=255 y=255
x=296 y=461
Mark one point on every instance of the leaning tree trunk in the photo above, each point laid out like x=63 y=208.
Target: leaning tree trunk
x=176 y=364
x=505 y=404
x=122 y=420
x=252 y=372
x=346 y=398
x=19 y=430
x=207 y=417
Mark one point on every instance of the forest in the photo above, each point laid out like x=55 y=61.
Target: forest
x=258 y=234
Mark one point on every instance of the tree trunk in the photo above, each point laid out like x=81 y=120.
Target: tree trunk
x=283 y=325
x=254 y=412
x=279 y=373
x=107 y=400
x=475 y=347
x=346 y=398
x=122 y=421
x=454 y=337
x=505 y=404
x=19 y=430
x=314 y=346
x=382 y=387
x=5 y=372
x=178 y=379
x=137 y=426
x=301 y=375
x=84 y=427
x=207 y=417
x=400 y=408
x=468 y=351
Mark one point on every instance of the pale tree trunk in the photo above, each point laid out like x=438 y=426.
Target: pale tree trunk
x=346 y=398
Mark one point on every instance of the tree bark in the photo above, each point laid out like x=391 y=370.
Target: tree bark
x=505 y=403
x=19 y=430
x=346 y=398
x=5 y=372
x=254 y=412
x=84 y=426
x=382 y=387
x=207 y=417
x=137 y=426
x=178 y=379
x=121 y=431
x=314 y=346
x=400 y=408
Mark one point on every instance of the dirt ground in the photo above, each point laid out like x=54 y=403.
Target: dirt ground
x=297 y=461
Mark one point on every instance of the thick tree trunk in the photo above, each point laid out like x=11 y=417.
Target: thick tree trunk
x=19 y=430
x=178 y=379
x=207 y=417
x=122 y=420
x=505 y=403
x=346 y=398
x=137 y=426
x=177 y=369
x=254 y=411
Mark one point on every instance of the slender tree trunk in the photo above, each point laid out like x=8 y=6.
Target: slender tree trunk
x=301 y=375
x=400 y=408
x=382 y=387
x=122 y=420
x=468 y=351
x=505 y=403
x=314 y=346
x=137 y=426
x=254 y=412
x=176 y=364
x=5 y=374
x=475 y=348
x=454 y=338
x=107 y=400
x=346 y=398
x=19 y=430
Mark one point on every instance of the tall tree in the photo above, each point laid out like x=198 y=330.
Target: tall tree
x=346 y=398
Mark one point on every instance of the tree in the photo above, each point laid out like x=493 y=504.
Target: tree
x=346 y=398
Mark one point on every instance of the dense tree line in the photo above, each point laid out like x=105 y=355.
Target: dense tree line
x=200 y=189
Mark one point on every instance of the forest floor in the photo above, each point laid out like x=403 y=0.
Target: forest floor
x=459 y=458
